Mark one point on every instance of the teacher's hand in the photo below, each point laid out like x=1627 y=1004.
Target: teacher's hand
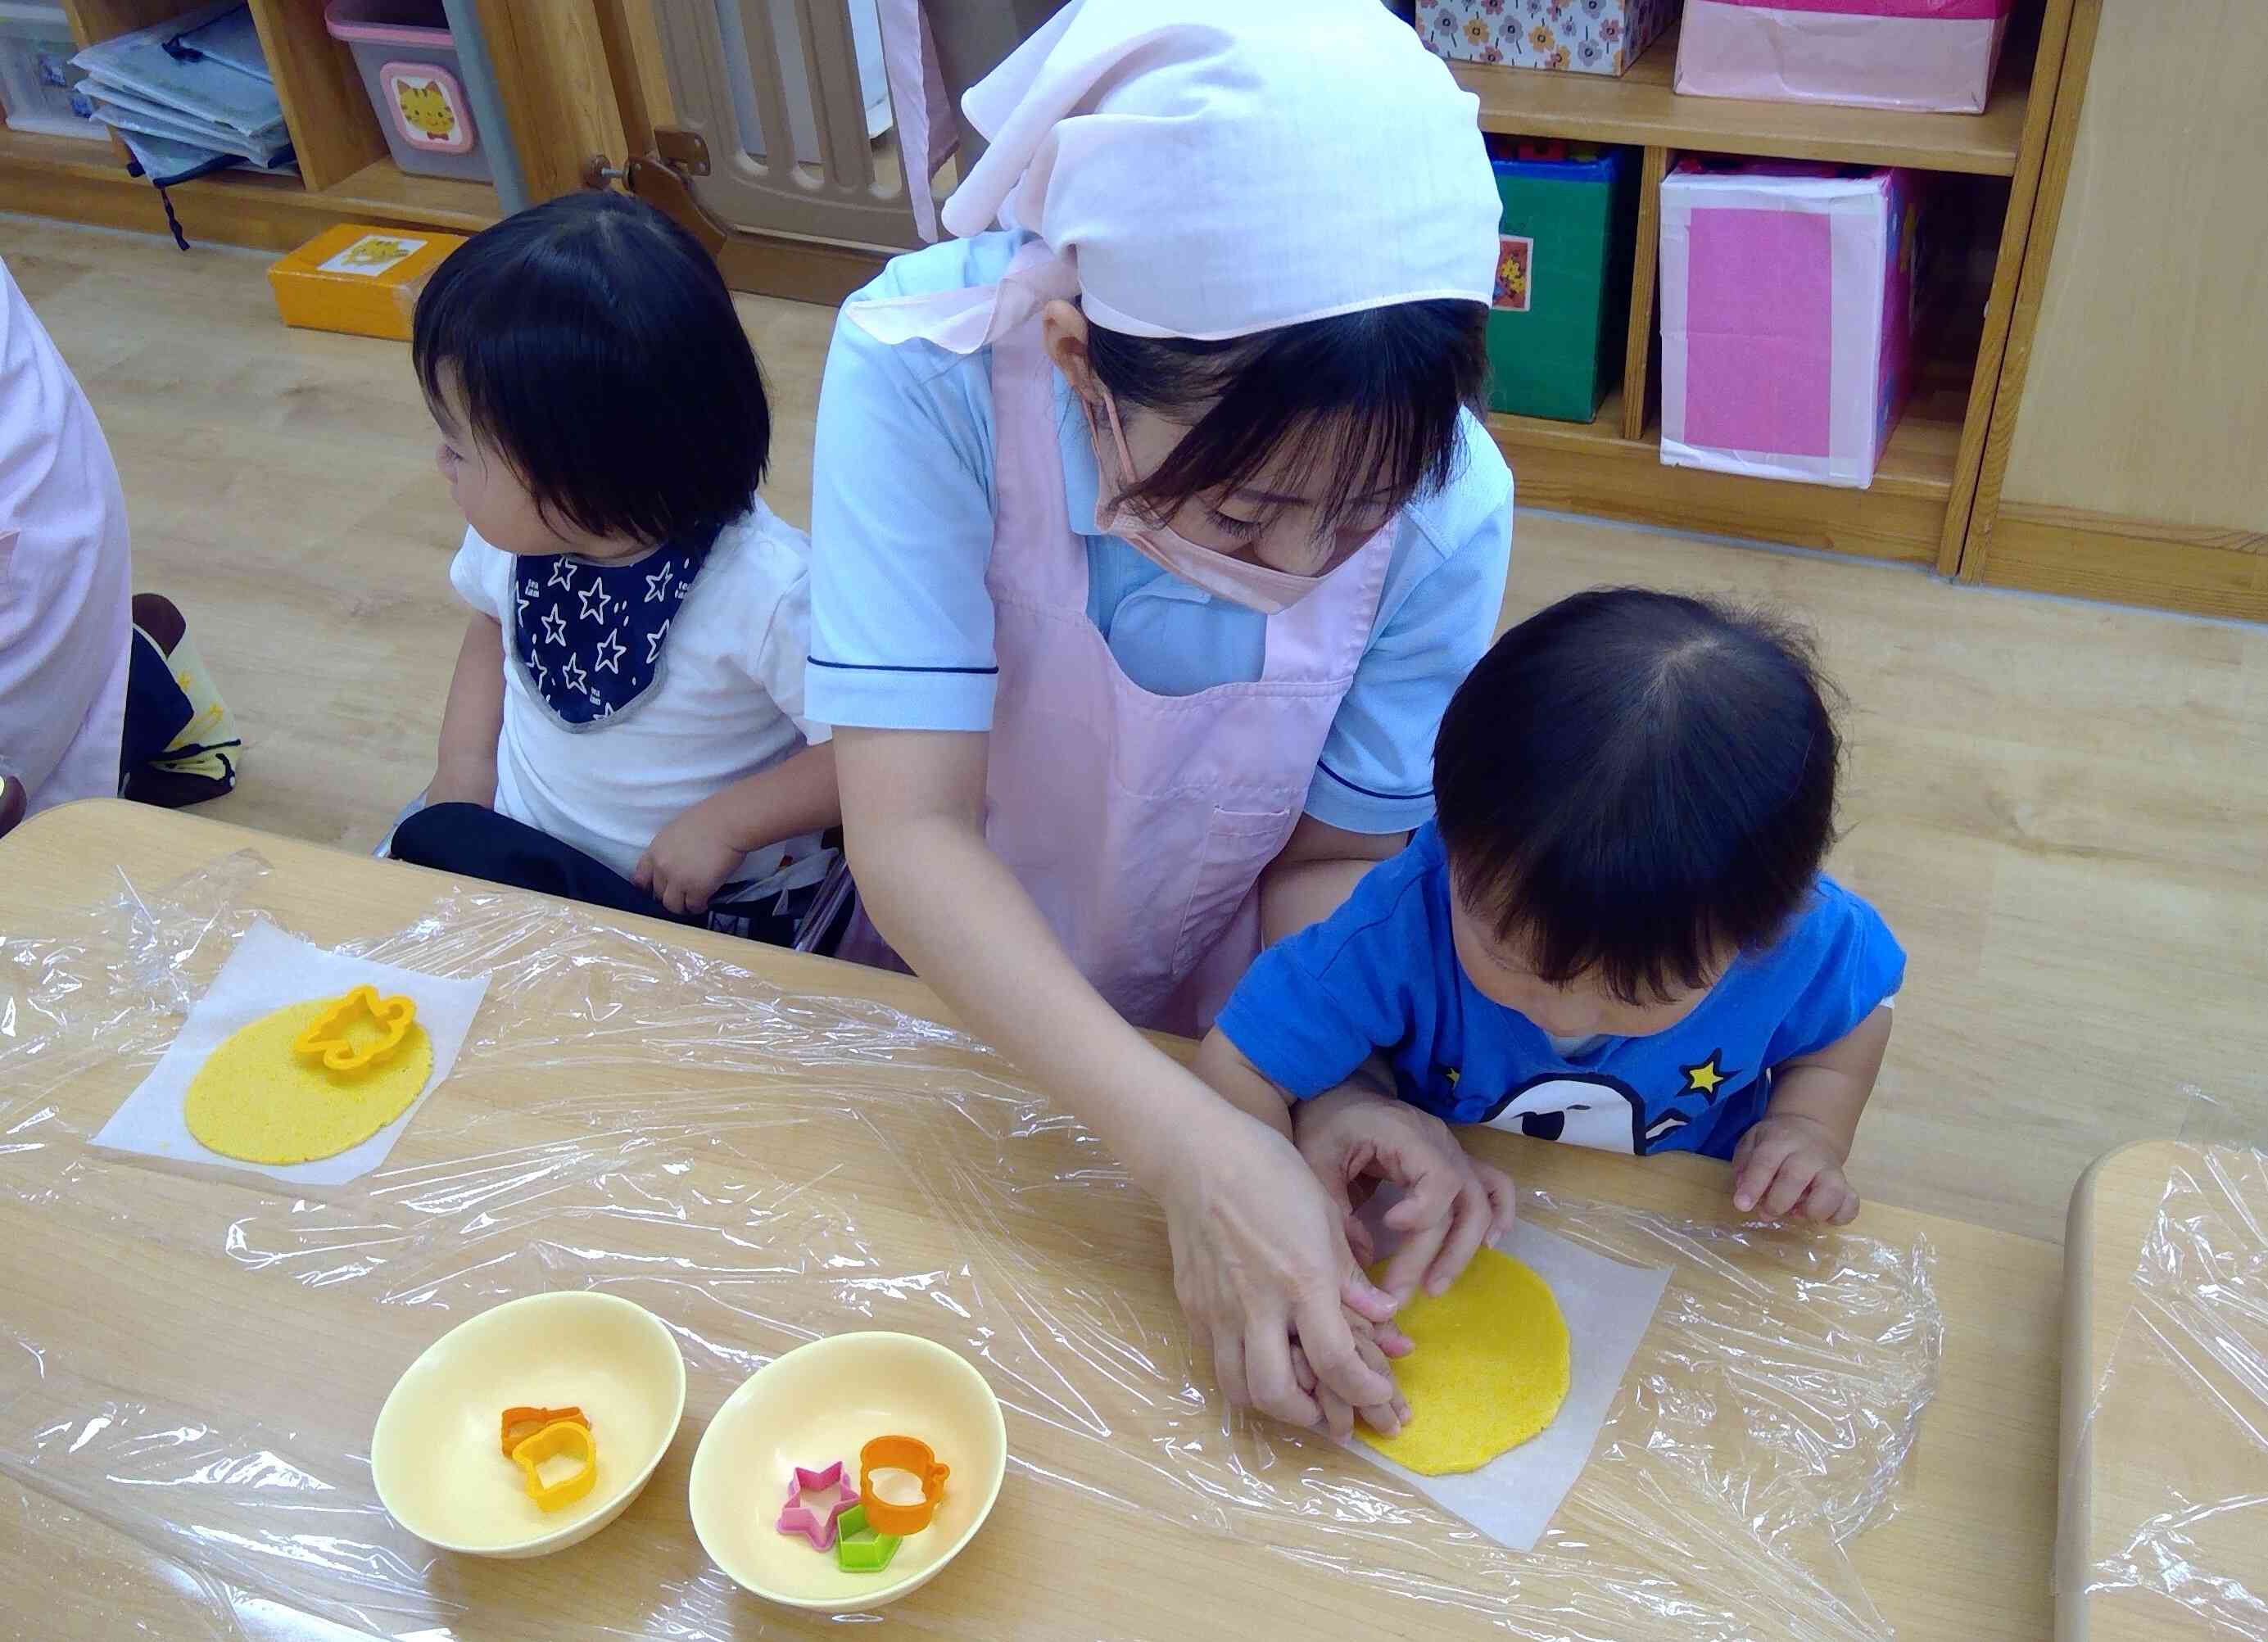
x=1259 y=1258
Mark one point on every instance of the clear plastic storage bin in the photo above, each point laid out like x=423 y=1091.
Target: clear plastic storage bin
x=36 y=76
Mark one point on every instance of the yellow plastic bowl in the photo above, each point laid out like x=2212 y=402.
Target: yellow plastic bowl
x=440 y=1468
x=822 y=1403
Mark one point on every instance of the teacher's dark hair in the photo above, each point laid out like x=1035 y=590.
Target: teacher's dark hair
x=592 y=342
x=1370 y=398
x=1632 y=784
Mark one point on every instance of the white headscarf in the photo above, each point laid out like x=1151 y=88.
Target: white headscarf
x=1211 y=168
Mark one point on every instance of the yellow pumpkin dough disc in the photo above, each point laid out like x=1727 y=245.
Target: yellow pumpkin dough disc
x=1489 y=1372
x=254 y=1099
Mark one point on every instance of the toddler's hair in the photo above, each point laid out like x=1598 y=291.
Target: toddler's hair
x=1632 y=784
x=591 y=344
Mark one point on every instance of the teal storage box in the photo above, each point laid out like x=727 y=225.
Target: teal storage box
x=1556 y=329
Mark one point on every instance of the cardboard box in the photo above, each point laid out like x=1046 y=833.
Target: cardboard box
x=1558 y=326
x=1787 y=297
x=358 y=279
x=1580 y=36
x=1922 y=54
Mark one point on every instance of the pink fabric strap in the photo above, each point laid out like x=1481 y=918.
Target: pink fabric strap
x=963 y=321
x=927 y=134
x=1947 y=11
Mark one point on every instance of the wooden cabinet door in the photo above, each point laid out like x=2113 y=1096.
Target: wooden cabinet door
x=552 y=75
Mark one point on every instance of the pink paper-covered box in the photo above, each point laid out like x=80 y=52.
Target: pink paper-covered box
x=1927 y=54
x=1787 y=296
x=1583 y=36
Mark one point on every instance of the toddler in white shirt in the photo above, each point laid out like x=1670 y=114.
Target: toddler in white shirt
x=625 y=724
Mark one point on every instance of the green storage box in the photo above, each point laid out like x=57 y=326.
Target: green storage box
x=1555 y=330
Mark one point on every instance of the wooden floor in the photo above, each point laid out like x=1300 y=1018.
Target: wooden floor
x=2062 y=808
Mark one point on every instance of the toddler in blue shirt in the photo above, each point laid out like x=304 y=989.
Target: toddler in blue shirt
x=1616 y=933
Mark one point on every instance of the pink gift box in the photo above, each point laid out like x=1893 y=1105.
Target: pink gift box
x=1787 y=295
x=1581 y=36
x=1930 y=54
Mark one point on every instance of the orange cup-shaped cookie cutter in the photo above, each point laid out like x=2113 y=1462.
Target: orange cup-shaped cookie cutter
x=565 y=1438
x=520 y=1424
x=900 y=1454
x=326 y=1037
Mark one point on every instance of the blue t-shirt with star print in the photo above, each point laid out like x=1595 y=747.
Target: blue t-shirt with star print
x=1381 y=974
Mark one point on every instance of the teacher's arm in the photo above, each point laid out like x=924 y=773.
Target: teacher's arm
x=1258 y=1252
x=1316 y=872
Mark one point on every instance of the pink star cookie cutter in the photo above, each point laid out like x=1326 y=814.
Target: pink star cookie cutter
x=818 y=1526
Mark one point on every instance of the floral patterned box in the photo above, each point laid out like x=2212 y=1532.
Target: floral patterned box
x=1585 y=36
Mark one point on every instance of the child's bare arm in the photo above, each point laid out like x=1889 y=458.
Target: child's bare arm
x=1252 y=1092
x=1791 y=1163
x=1830 y=1087
x=465 y=767
x=695 y=853
x=1242 y=1084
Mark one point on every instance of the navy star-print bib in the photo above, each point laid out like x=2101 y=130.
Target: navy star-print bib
x=589 y=637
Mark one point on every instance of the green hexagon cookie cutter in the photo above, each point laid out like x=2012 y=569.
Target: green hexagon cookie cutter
x=859 y=1549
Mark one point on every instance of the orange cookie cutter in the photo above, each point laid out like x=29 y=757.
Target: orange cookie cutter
x=325 y=1035
x=900 y=1454
x=562 y=1438
x=520 y=1424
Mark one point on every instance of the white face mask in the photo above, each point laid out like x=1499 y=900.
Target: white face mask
x=1240 y=581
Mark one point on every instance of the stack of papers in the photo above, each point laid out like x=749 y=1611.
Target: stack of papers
x=191 y=95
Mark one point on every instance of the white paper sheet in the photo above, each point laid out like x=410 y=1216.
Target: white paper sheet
x=267 y=971
x=1607 y=1305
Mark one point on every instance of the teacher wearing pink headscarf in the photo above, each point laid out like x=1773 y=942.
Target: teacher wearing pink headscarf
x=1152 y=531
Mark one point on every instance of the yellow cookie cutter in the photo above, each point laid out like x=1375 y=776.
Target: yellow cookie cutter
x=325 y=1035
x=563 y=1438
x=521 y=1423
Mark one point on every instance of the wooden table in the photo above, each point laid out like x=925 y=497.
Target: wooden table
x=2164 y=1435
x=144 y=1304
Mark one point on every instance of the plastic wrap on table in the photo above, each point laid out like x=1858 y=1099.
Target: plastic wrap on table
x=2168 y=1511
x=759 y=1168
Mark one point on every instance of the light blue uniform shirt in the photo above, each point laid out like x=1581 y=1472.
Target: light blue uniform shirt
x=902 y=532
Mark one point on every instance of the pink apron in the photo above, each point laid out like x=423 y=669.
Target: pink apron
x=1139 y=823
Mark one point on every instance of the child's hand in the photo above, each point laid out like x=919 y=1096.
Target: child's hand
x=1789 y=1168
x=1452 y=1204
x=1339 y=1416
x=688 y=859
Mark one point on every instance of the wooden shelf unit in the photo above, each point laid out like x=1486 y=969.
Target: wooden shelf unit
x=383 y=189
x=569 y=72
x=346 y=173
x=1917 y=510
x=1596 y=468
x=1642 y=110
x=272 y=213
